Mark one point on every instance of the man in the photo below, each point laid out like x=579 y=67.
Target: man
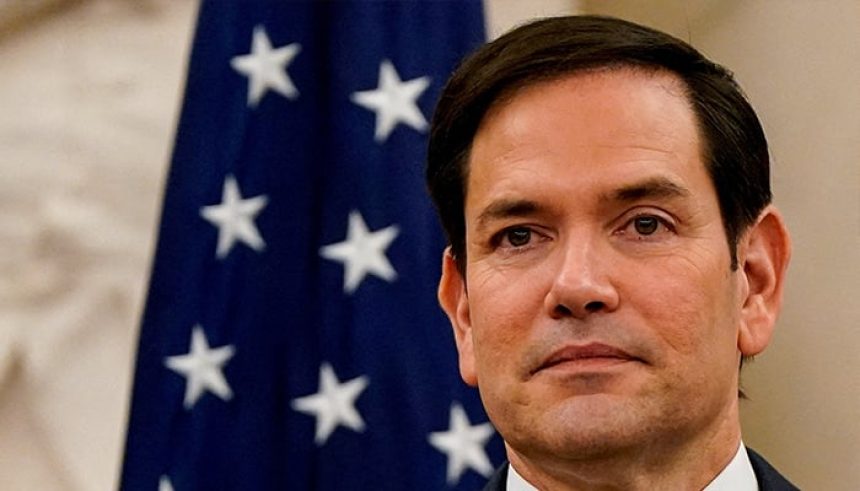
x=613 y=255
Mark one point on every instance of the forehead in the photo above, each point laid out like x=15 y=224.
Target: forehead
x=594 y=128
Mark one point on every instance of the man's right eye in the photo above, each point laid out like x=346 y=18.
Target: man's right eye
x=518 y=236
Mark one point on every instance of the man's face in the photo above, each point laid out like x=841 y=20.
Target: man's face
x=599 y=311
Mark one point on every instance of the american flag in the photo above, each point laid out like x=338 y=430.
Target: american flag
x=291 y=338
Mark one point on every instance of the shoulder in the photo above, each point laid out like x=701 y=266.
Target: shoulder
x=769 y=479
x=498 y=481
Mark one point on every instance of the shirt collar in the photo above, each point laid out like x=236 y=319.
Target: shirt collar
x=516 y=481
x=737 y=476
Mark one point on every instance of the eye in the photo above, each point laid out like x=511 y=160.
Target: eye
x=518 y=236
x=647 y=227
x=646 y=224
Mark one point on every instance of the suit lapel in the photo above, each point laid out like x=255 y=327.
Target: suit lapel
x=498 y=481
x=768 y=477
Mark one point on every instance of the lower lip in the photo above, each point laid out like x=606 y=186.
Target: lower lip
x=587 y=364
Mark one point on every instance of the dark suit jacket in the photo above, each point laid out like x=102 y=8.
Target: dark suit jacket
x=768 y=478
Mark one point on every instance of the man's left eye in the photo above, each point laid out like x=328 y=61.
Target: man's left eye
x=647 y=227
x=646 y=224
x=518 y=237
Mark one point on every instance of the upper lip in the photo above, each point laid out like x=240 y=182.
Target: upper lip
x=584 y=351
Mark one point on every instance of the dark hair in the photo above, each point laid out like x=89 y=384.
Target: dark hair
x=734 y=147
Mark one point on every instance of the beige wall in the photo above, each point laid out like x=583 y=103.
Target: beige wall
x=502 y=15
x=88 y=96
x=799 y=63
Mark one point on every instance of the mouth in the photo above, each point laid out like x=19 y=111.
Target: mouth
x=588 y=357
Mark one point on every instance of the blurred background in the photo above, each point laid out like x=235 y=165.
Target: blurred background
x=89 y=96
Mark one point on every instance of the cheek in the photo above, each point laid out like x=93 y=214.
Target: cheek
x=689 y=308
x=503 y=312
x=502 y=309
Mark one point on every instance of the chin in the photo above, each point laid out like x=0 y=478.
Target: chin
x=583 y=427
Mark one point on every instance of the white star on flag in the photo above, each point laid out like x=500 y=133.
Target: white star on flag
x=362 y=252
x=266 y=68
x=164 y=484
x=334 y=404
x=464 y=445
x=393 y=101
x=234 y=218
x=201 y=368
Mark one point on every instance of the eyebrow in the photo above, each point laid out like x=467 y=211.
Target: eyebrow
x=507 y=208
x=658 y=187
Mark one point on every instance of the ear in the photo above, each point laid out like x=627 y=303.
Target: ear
x=763 y=258
x=455 y=303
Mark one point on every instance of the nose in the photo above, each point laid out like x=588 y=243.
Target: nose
x=581 y=284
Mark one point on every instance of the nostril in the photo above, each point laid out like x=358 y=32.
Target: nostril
x=562 y=311
x=592 y=307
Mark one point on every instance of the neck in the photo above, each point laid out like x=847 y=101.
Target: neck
x=690 y=463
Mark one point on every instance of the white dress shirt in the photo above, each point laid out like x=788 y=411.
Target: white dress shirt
x=737 y=476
